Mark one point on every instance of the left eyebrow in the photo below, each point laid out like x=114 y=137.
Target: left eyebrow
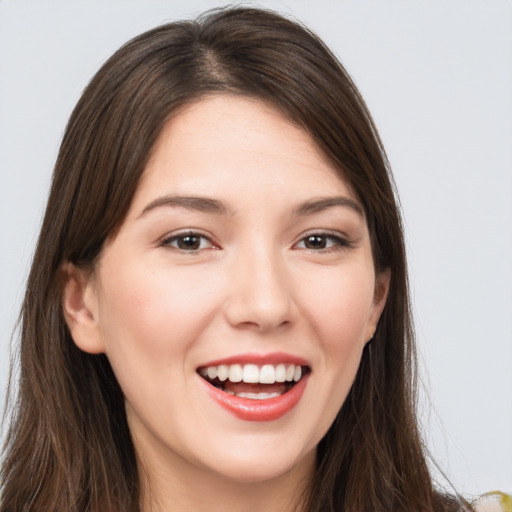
x=323 y=203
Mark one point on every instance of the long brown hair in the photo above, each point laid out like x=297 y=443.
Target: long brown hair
x=69 y=446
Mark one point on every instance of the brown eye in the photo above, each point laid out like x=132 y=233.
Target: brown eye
x=322 y=242
x=315 y=242
x=188 y=242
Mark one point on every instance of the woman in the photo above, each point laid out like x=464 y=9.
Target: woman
x=217 y=313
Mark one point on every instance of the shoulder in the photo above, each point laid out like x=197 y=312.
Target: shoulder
x=494 y=501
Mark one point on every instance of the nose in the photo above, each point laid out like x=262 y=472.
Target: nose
x=260 y=295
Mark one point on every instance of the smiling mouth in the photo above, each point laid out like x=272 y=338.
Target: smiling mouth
x=257 y=382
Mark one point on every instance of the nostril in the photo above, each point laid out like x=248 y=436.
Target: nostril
x=260 y=301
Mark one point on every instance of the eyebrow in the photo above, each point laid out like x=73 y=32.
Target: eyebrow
x=323 y=203
x=201 y=204
x=209 y=205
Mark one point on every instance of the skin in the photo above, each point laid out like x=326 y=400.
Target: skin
x=253 y=284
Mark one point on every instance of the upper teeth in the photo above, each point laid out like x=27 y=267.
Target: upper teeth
x=252 y=373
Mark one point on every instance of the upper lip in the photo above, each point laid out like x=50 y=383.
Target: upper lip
x=258 y=359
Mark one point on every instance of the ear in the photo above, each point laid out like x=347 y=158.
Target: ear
x=80 y=308
x=380 y=296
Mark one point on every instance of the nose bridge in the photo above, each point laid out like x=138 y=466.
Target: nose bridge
x=261 y=294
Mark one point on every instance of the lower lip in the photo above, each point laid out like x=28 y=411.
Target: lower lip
x=269 y=409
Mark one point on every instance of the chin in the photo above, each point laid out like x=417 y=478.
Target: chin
x=259 y=466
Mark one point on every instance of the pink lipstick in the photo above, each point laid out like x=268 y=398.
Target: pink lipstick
x=256 y=387
x=269 y=409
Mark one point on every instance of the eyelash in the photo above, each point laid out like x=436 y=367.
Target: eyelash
x=337 y=242
x=333 y=242
x=167 y=242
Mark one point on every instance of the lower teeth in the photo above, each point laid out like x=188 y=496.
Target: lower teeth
x=254 y=396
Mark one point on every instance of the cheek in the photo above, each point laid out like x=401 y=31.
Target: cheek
x=338 y=305
x=150 y=324
x=338 y=314
x=148 y=315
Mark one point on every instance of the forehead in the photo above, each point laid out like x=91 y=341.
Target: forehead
x=229 y=145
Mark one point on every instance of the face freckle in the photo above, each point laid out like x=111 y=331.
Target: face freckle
x=243 y=251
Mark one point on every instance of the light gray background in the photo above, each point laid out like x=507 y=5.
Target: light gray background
x=436 y=75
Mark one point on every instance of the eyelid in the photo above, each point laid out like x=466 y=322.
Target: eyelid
x=167 y=240
x=341 y=240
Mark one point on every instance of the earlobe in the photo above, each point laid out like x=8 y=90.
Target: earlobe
x=80 y=308
x=380 y=296
x=382 y=287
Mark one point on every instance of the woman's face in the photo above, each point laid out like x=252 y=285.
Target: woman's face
x=243 y=257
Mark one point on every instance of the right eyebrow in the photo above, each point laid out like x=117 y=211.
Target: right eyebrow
x=201 y=204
